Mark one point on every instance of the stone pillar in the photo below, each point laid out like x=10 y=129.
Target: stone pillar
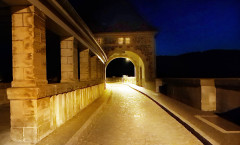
x=99 y=65
x=30 y=115
x=85 y=65
x=208 y=95
x=93 y=67
x=69 y=60
x=28 y=47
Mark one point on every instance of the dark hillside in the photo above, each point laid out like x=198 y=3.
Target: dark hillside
x=208 y=64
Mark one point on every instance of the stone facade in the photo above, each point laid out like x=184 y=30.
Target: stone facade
x=139 y=47
x=38 y=108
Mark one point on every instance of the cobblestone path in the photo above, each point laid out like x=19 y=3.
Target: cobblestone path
x=130 y=118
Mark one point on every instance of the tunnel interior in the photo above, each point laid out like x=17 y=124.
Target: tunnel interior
x=119 y=67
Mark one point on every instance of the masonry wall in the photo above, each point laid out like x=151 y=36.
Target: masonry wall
x=187 y=91
x=224 y=93
x=142 y=44
x=38 y=107
x=39 y=117
x=228 y=94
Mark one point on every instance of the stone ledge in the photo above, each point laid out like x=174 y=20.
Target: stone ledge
x=47 y=90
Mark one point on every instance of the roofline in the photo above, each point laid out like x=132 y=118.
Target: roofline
x=78 y=28
x=125 y=33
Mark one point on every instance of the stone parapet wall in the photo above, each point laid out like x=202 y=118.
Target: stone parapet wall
x=131 y=80
x=33 y=119
x=219 y=94
x=114 y=79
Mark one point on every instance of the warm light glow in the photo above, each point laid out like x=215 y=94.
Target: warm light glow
x=99 y=40
x=120 y=40
x=127 y=40
x=127 y=60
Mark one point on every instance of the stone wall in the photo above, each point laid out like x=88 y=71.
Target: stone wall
x=114 y=80
x=187 y=91
x=220 y=95
x=124 y=79
x=32 y=120
x=139 y=47
x=228 y=94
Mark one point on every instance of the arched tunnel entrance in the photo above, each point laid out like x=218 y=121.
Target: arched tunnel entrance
x=125 y=67
x=121 y=70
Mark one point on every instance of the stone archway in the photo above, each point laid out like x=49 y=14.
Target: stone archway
x=137 y=46
x=138 y=65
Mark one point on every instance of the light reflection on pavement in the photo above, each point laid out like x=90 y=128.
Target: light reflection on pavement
x=130 y=118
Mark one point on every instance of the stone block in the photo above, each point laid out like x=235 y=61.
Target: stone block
x=28 y=74
x=30 y=107
x=17 y=20
x=16 y=107
x=18 y=47
x=28 y=20
x=64 y=75
x=43 y=130
x=70 y=60
x=66 y=52
x=43 y=104
x=22 y=33
x=16 y=134
x=66 y=67
x=30 y=134
x=208 y=98
x=64 y=60
x=70 y=75
x=18 y=73
x=22 y=93
x=70 y=43
x=17 y=121
x=37 y=35
x=23 y=83
x=64 y=45
x=22 y=60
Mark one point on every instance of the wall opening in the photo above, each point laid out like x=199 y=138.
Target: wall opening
x=53 y=54
x=119 y=67
x=6 y=45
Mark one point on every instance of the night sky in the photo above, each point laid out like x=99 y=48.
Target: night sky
x=184 y=25
x=192 y=25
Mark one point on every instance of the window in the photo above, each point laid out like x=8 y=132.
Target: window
x=127 y=40
x=120 y=40
x=99 y=41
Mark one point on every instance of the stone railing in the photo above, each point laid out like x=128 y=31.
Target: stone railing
x=124 y=79
x=131 y=80
x=218 y=95
x=36 y=112
x=114 y=79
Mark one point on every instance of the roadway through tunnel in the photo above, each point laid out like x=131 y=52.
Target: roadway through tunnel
x=130 y=118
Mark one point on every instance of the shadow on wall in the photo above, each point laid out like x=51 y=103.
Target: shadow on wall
x=53 y=57
x=232 y=115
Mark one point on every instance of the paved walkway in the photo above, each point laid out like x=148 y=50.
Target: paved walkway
x=129 y=118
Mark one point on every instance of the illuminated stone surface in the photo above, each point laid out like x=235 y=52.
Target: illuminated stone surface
x=139 y=47
x=131 y=118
